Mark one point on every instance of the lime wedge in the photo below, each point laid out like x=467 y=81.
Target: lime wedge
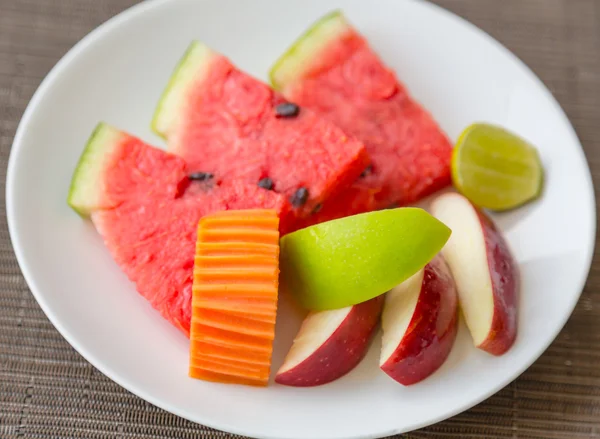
x=495 y=168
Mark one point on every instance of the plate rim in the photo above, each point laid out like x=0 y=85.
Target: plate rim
x=140 y=8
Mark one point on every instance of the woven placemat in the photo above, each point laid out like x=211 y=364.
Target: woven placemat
x=47 y=390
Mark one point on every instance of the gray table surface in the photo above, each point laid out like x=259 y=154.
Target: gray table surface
x=47 y=390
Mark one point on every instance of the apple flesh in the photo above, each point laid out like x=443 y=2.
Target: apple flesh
x=350 y=260
x=419 y=321
x=330 y=344
x=486 y=274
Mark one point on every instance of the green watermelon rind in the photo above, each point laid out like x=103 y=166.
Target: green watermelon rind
x=306 y=48
x=190 y=70
x=85 y=193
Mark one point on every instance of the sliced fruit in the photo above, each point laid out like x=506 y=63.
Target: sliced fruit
x=330 y=344
x=485 y=272
x=496 y=169
x=244 y=371
x=227 y=123
x=332 y=70
x=419 y=322
x=243 y=306
x=207 y=375
x=87 y=193
x=232 y=322
x=351 y=260
x=218 y=352
x=215 y=362
x=297 y=60
x=235 y=337
x=230 y=285
x=140 y=199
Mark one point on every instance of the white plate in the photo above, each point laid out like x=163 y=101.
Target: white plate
x=117 y=73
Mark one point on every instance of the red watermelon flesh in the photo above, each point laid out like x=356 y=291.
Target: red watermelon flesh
x=223 y=121
x=333 y=71
x=147 y=211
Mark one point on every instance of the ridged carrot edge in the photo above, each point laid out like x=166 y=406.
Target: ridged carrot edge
x=234 y=297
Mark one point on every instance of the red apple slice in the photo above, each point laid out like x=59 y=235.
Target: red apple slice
x=330 y=344
x=485 y=272
x=419 y=322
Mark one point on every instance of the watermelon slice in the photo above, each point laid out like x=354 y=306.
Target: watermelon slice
x=225 y=122
x=332 y=70
x=147 y=209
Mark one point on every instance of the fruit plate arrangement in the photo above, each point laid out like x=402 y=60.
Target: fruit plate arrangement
x=456 y=86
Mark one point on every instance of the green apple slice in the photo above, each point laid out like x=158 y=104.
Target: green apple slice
x=351 y=260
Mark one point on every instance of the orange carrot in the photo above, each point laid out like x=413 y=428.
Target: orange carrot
x=234 y=297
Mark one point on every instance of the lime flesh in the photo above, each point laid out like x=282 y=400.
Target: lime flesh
x=495 y=168
x=351 y=260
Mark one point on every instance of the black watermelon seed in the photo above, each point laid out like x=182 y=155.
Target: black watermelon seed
x=300 y=197
x=266 y=183
x=287 y=109
x=317 y=208
x=368 y=171
x=392 y=206
x=201 y=176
